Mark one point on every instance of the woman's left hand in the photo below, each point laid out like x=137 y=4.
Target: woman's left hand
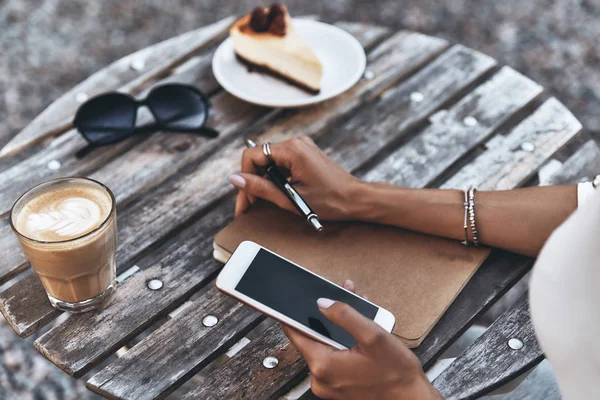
x=380 y=366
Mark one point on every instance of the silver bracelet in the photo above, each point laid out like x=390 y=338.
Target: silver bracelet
x=471 y=208
x=466 y=242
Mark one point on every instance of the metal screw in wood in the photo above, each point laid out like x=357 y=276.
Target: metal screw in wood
x=210 y=320
x=270 y=362
x=470 y=121
x=54 y=165
x=155 y=284
x=515 y=344
x=417 y=97
x=137 y=64
x=527 y=146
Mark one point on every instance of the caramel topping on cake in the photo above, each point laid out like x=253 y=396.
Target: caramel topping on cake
x=270 y=20
x=259 y=21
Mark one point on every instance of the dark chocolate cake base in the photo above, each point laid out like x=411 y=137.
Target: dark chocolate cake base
x=252 y=67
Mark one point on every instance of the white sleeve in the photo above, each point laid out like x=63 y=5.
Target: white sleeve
x=585 y=190
x=564 y=301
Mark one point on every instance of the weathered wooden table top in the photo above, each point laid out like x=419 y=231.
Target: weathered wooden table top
x=426 y=114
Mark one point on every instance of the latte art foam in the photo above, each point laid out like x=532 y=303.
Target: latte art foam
x=68 y=218
x=63 y=214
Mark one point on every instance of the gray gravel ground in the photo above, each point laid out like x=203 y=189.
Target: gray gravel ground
x=47 y=46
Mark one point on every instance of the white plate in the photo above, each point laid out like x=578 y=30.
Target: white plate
x=342 y=56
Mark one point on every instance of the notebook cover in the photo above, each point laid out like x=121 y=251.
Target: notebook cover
x=414 y=276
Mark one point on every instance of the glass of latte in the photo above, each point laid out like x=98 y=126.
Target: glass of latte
x=68 y=231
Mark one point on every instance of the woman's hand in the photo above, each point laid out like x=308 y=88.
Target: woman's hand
x=380 y=366
x=326 y=186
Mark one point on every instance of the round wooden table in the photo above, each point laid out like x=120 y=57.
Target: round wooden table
x=425 y=114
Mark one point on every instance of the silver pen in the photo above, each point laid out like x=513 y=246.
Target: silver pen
x=291 y=193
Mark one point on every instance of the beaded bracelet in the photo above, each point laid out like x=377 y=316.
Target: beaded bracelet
x=466 y=242
x=471 y=208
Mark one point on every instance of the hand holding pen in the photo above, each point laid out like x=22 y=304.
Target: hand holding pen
x=286 y=187
x=326 y=187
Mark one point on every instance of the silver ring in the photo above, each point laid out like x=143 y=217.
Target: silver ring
x=266 y=148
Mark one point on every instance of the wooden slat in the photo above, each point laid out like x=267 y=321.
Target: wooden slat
x=217 y=167
x=490 y=363
x=540 y=384
x=367 y=34
x=245 y=377
x=583 y=165
x=448 y=138
x=12 y=261
x=156 y=367
x=505 y=162
x=158 y=59
x=200 y=188
x=150 y=162
x=396 y=113
x=25 y=308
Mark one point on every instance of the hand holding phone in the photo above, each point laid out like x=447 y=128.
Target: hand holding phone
x=344 y=339
x=380 y=366
x=289 y=293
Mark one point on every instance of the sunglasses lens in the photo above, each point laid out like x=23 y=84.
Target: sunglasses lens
x=106 y=119
x=178 y=107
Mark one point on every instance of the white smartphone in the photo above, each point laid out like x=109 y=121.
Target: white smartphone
x=287 y=292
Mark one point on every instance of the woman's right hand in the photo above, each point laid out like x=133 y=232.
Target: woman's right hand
x=329 y=189
x=380 y=366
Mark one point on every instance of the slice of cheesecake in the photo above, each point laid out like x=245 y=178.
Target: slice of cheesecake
x=266 y=41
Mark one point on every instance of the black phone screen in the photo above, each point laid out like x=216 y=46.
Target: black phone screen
x=293 y=292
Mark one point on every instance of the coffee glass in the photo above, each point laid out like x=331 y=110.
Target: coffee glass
x=67 y=229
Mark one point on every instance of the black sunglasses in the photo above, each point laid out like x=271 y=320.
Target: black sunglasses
x=110 y=117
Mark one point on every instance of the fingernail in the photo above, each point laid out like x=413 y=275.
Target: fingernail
x=325 y=303
x=237 y=181
x=348 y=284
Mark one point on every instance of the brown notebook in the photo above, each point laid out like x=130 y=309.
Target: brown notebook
x=414 y=276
